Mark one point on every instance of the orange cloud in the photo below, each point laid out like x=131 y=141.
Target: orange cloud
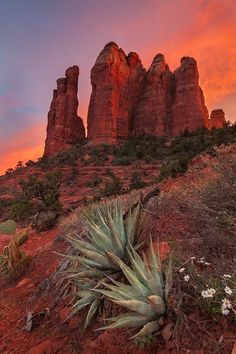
x=211 y=40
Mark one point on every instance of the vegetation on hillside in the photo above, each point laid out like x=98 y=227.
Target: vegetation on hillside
x=39 y=201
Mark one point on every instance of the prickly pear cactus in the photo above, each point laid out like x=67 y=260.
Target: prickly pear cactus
x=13 y=259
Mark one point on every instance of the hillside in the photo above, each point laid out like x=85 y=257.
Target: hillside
x=194 y=216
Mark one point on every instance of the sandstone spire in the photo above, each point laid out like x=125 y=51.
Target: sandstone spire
x=217 y=118
x=64 y=126
x=116 y=84
x=153 y=112
x=189 y=111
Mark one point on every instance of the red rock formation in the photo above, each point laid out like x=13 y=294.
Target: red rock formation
x=217 y=118
x=153 y=112
x=189 y=111
x=116 y=84
x=64 y=126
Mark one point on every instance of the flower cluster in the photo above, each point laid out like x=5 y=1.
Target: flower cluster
x=225 y=307
x=228 y=290
x=208 y=292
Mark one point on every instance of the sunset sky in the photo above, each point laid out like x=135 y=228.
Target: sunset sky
x=39 y=39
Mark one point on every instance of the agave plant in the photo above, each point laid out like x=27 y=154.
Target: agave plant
x=145 y=296
x=108 y=237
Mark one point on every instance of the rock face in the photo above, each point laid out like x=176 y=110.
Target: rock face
x=64 y=127
x=117 y=81
x=217 y=118
x=128 y=101
x=153 y=112
x=189 y=111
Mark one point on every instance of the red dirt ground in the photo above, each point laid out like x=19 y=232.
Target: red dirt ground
x=28 y=292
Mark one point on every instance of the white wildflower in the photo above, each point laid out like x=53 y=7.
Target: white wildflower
x=226 y=303
x=192 y=258
x=182 y=270
x=225 y=312
x=208 y=293
x=187 y=277
x=228 y=290
x=207 y=263
x=227 y=276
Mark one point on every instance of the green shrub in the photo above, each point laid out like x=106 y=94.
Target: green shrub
x=173 y=168
x=8 y=227
x=44 y=220
x=95 y=181
x=40 y=198
x=136 y=181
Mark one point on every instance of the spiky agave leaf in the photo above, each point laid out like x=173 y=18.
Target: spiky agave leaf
x=144 y=297
x=107 y=239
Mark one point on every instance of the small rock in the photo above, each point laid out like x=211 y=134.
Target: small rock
x=46 y=347
x=25 y=282
x=75 y=322
x=167 y=331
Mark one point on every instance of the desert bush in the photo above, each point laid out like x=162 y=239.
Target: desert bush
x=95 y=181
x=173 y=168
x=136 y=181
x=112 y=187
x=8 y=227
x=9 y=171
x=44 y=220
x=40 y=198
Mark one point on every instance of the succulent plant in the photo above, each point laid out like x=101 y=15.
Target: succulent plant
x=12 y=256
x=145 y=296
x=108 y=237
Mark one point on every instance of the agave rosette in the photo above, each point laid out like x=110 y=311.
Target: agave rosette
x=108 y=238
x=145 y=296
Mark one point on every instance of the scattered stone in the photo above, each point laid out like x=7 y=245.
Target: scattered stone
x=25 y=282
